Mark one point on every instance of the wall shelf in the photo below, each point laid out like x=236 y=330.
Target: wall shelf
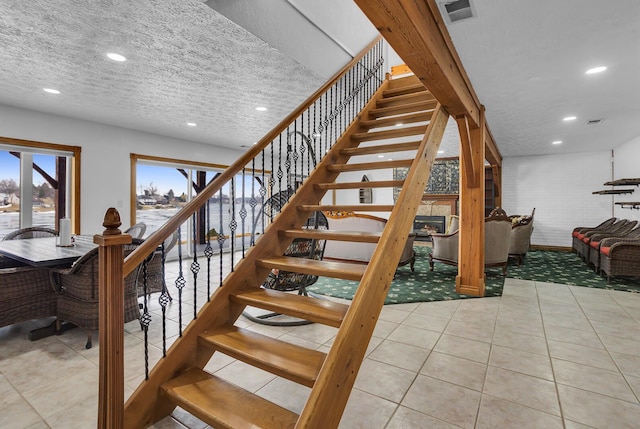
x=629 y=204
x=625 y=182
x=614 y=192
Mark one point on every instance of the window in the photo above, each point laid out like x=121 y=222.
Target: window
x=163 y=186
x=38 y=185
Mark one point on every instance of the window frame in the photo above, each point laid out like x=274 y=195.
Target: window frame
x=74 y=197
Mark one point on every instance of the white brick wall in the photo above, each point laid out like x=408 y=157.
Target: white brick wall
x=627 y=165
x=559 y=187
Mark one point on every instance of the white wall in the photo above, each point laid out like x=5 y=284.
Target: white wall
x=105 y=161
x=626 y=166
x=560 y=188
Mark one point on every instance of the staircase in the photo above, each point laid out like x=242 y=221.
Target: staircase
x=402 y=120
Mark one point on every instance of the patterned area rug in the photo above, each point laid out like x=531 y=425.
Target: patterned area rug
x=421 y=285
x=439 y=285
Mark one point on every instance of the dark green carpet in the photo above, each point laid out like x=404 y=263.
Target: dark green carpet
x=439 y=285
x=419 y=286
x=567 y=268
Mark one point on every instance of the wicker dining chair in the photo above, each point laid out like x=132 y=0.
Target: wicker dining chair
x=137 y=230
x=31 y=232
x=77 y=292
x=25 y=294
x=155 y=269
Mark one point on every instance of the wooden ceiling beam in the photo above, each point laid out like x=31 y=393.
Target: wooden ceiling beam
x=415 y=30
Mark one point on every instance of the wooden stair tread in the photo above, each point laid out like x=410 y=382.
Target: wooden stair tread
x=327 y=234
x=314 y=309
x=339 y=270
x=404 y=108
x=390 y=134
x=406 y=89
x=293 y=362
x=224 y=405
x=394 y=120
x=412 y=97
x=383 y=148
x=379 y=165
x=358 y=185
x=347 y=208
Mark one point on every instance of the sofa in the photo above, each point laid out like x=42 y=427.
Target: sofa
x=360 y=252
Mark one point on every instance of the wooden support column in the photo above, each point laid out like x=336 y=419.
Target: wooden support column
x=470 y=279
x=111 y=322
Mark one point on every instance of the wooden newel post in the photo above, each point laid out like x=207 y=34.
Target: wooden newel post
x=111 y=322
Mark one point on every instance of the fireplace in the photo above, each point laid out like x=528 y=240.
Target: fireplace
x=424 y=226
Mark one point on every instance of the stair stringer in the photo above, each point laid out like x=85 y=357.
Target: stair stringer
x=331 y=391
x=146 y=406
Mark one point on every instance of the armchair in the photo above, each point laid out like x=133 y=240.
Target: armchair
x=520 y=241
x=578 y=233
x=137 y=230
x=496 y=243
x=25 y=294
x=596 y=241
x=620 y=257
x=77 y=292
x=618 y=229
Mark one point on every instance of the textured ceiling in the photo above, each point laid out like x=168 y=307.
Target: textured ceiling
x=526 y=61
x=187 y=63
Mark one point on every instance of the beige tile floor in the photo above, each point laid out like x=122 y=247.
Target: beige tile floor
x=541 y=356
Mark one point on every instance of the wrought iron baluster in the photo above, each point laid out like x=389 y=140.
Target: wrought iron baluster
x=243 y=209
x=208 y=250
x=180 y=281
x=164 y=300
x=195 y=267
x=233 y=225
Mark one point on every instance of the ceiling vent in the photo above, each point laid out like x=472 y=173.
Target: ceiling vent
x=458 y=10
x=595 y=121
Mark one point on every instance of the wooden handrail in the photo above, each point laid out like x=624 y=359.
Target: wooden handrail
x=154 y=240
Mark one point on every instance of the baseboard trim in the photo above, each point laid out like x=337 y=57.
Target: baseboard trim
x=551 y=248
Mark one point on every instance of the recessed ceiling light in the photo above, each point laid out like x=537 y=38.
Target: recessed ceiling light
x=116 y=57
x=261 y=109
x=51 y=90
x=191 y=124
x=380 y=156
x=557 y=142
x=570 y=118
x=440 y=151
x=595 y=70
x=399 y=124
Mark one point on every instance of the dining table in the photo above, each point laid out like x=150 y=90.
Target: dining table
x=46 y=252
